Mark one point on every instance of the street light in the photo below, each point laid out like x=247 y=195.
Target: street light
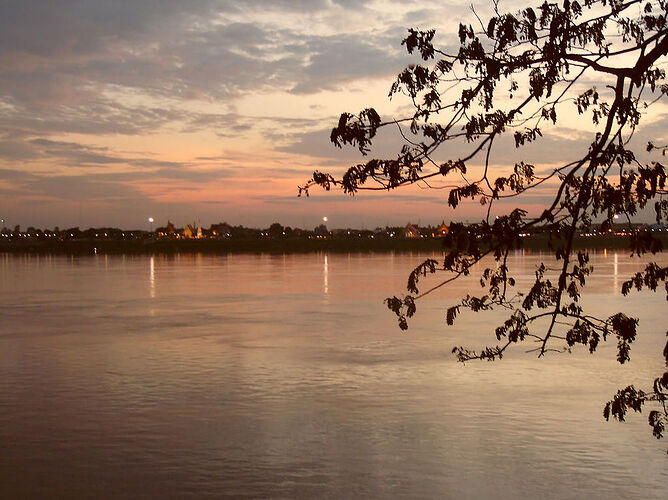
x=324 y=219
x=151 y=219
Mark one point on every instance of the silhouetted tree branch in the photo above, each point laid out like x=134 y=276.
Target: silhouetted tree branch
x=515 y=75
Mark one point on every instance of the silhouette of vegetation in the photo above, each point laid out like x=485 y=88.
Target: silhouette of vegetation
x=515 y=76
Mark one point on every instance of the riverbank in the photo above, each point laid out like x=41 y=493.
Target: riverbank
x=276 y=245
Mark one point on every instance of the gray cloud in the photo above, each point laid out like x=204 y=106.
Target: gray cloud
x=290 y=5
x=98 y=116
x=80 y=187
x=61 y=65
x=75 y=154
x=172 y=49
x=81 y=27
x=340 y=59
x=17 y=150
x=15 y=175
x=316 y=143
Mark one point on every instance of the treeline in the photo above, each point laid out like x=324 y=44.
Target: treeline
x=224 y=238
x=218 y=231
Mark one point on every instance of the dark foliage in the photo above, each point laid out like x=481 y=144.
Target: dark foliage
x=517 y=74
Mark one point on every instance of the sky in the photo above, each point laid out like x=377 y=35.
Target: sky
x=213 y=110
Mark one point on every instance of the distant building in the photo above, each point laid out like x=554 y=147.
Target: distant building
x=193 y=230
x=169 y=230
x=411 y=231
x=440 y=231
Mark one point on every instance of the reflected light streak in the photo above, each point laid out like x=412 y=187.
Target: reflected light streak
x=151 y=278
x=615 y=272
x=325 y=277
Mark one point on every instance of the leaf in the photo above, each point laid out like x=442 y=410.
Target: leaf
x=451 y=314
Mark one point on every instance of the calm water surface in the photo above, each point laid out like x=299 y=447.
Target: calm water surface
x=286 y=376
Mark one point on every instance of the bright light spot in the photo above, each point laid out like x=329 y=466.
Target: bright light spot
x=324 y=219
x=617 y=216
x=151 y=219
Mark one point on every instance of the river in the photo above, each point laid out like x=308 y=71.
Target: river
x=286 y=376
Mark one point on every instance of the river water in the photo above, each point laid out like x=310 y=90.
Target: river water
x=286 y=376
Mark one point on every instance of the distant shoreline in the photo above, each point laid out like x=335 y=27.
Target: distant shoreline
x=277 y=245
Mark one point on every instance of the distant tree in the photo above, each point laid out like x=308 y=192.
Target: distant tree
x=514 y=76
x=276 y=230
x=73 y=232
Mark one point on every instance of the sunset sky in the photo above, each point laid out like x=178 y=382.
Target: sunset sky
x=114 y=111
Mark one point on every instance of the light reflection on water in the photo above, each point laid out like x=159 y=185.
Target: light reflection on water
x=151 y=278
x=325 y=277
x=287 y=376
x=615 y=286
